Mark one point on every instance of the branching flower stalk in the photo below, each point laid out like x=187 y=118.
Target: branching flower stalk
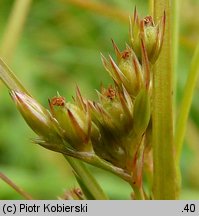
x=113 y=133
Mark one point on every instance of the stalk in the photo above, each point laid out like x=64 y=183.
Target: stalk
x=19 y=190
x=186 y=103
x=14 y=28
x=175 y=40
x=88 y=180
x=138 y=193
x=151 y=6
x=165 y=177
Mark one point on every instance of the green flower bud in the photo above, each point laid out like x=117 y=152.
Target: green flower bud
x=152 y=35
x=36 y=116
x=76 y=124
x=115 y=109
x=114 y=118
x=131 y=69
x=127 y=73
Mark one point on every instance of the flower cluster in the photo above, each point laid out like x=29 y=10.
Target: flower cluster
x=112 y=132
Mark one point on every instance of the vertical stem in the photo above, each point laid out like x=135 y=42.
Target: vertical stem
x=186 y=103
x=14 y=28
x=175 y=45
x=175 y=39
x=138 y=193
x=164 y=184
x=151 y=6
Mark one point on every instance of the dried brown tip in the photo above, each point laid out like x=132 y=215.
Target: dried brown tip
x=77 y=127
x=142 y=27
x=136 y=68
x=89 y=121
x=116 y=49
x=119 y=75
x=127 y=98
x=159 y=38
x=51 y=106
x=105 y=63
x=79 y=99
x=124 y=105
x=135 y=16
x=145 y=63
x=91 y=105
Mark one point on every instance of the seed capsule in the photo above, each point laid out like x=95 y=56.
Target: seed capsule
x=152 y=34
x=75 y=123
x=36 y=116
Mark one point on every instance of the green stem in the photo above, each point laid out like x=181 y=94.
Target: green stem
x=151 y=6
x=175 y=39
x=138 y=193
x=186 y=103
x=165 y=177
x=175 y=45
x=96 y=161
x=92 y=159
x=19 y=190
x=88 y=180
x=14 y=28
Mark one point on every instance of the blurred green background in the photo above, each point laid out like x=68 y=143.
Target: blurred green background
x=58 y=48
